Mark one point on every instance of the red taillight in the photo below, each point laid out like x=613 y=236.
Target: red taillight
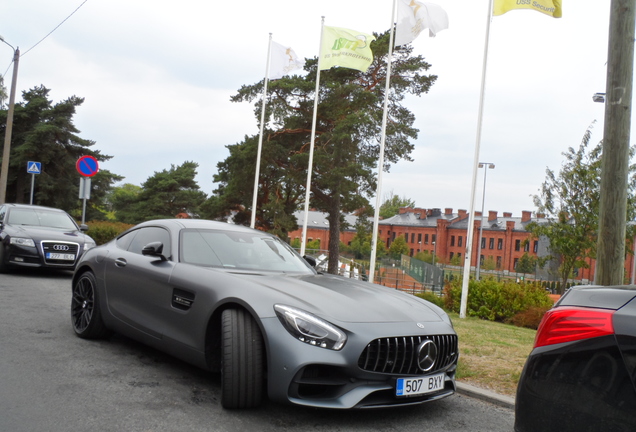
x=567 y=324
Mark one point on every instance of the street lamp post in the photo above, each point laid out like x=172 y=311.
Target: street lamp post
x=481 y=225
x=4 y=173
x=434 y=252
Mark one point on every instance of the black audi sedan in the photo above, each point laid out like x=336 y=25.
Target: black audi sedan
x=581 y=374
x=36 y=236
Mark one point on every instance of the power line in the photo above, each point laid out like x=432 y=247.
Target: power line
x=56 y=27
x=49 y=34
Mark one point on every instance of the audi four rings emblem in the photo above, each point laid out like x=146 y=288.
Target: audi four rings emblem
x=60 y=247
x=426 y=355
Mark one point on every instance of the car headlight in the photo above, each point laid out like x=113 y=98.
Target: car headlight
x=310 y=329
x=21 y=241
x=89 y=244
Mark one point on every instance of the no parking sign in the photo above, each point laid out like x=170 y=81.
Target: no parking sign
x=87 y=166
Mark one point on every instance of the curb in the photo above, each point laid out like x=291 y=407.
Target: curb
x=485 y=395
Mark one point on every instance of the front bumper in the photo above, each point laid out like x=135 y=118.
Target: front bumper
x=307 y=375
x=25 y=256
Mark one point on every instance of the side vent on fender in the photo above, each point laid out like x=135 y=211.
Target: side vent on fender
x=182 y=299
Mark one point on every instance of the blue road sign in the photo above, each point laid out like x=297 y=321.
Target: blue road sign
x=87 y=166
x=34 y=167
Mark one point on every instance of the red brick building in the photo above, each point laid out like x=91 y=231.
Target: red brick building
x=504 y=238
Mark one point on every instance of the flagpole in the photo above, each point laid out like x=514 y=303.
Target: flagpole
x=471 y=212
x=260 y=136
x=378 y=193
x=311 y=145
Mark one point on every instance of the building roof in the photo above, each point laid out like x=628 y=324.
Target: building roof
x=319 y=220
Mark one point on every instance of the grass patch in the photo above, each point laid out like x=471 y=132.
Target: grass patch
x=491 y=354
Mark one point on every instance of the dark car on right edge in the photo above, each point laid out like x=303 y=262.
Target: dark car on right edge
x=581 y=374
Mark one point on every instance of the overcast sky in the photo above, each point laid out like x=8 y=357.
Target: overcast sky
x=157 y=77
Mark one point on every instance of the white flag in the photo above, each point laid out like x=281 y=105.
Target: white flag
x=414 y=16
x=283 y=60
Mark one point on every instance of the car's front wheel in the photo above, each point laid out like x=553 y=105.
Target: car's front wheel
x=242 y=360
x=85 y=312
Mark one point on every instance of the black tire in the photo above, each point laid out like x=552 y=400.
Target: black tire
x=86 y=315
x=242 y=360
x=3 y=265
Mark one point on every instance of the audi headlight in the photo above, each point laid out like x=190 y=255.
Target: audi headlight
x=21 y=241
x=89 y=244
x=310 y=329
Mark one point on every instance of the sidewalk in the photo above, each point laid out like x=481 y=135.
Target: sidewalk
x=485 y=395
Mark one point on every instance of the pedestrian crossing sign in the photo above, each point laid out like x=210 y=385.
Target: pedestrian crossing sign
x=34 y=167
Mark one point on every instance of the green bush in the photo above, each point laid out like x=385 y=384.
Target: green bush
x=103 y=232
x=432 y=297
x=495 y=301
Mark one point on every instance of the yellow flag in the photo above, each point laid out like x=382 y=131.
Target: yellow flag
x=345 y=48
x=548 y=7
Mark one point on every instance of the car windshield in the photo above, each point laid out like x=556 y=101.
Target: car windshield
x=240 y=250
x=37 y=217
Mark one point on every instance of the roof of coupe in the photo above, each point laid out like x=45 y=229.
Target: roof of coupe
x=220 y=295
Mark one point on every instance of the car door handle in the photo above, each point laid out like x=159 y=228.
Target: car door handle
x=120 y=262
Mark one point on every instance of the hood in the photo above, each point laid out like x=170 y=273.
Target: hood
x=49 y=233
x=348 y=300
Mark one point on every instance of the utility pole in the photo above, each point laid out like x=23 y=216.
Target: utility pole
x=616 y=135
x=4 y=173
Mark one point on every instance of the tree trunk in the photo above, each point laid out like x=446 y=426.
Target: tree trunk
x=334 y=234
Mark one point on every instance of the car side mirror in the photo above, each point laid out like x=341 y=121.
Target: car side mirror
x=154 y=249
x=83 y=227
x=310 y=260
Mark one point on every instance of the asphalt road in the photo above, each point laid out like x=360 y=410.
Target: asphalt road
x=50 y=380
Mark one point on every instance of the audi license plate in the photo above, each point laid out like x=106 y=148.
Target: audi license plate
x=60 y=256
x=420 y=385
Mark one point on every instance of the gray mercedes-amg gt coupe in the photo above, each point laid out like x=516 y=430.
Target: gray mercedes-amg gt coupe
x=243 y=303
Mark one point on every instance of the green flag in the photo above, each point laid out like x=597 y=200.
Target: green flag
x=345 y=48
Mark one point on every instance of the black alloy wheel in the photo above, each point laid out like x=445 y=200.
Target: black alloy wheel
x=85 y=313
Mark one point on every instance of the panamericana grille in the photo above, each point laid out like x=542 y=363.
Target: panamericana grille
x=398 y=355
x=62 y=248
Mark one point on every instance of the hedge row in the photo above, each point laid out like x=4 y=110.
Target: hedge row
x=503 y=301
x=103 y=232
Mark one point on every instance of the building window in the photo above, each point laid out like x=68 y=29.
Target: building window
x=460 y=240
x=526 y=247
x=491 y=243
x=419 y=238
x=451 y=255
x=535 y=247
x=452 y=241
x=433 y=238
x=483 y=242
x=481 y=260
x=425 y=238
x=498 y=262
x=393 y=235
x=413 y=238
x=459 y=256
x=517 y=247
x=411 y=252
x=406 y=237
x=499 y=244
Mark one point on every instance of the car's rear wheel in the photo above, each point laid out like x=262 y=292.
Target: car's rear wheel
x=85 y=312
x=242 y=360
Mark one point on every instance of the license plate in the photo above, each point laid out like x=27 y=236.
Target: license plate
x=419 y=385
x=60 y=256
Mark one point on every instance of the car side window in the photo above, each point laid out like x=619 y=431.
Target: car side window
x=124 y=241
x=149 y=235
x=3 y=212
